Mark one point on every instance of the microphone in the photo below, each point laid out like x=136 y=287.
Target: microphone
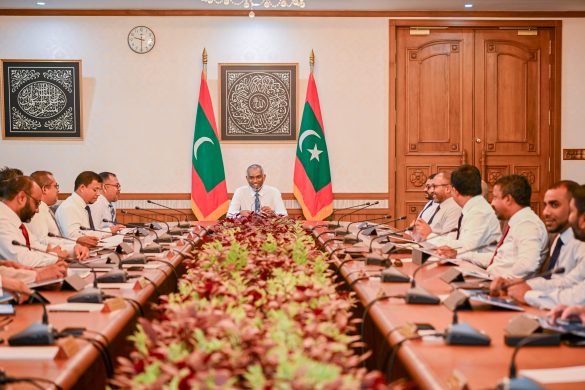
x=333 y=225
x=185 y=224
x=390 y=234
x=460 y=333
x=418 y=295
x=544 y=274
x=159 y=239
x=512 y=382
x=37 y=333
x=350 y=238
x=131 y=256
x=373 y=227
x=365 y=206
x=172 y=232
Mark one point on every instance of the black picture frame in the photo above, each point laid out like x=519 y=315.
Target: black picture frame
x=41 y=99
x=258 y=102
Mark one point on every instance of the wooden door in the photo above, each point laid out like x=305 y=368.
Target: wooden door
x=477 y=96
x=434 y=108
x=512 y=101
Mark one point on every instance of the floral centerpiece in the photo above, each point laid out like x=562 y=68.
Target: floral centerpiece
x=257 y=309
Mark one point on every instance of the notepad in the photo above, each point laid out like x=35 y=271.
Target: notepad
x=75 y=307
x=28 y=353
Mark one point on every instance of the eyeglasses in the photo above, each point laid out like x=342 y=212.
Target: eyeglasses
x=118 y=186
x=438 y=185
x=37 y=201
x=56 y=185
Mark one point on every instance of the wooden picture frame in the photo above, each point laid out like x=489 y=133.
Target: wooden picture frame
x=258 y=102
x=41 y=100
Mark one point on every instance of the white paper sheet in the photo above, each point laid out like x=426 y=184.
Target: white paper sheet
x=117 y=286
x=111 y=242
x=28 y=353
x=75 y=307
x=555 y=375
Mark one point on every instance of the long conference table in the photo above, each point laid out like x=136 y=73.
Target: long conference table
x=79 y=364
x=432 y=364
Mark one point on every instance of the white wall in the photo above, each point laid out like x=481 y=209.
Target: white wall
x=139 y=110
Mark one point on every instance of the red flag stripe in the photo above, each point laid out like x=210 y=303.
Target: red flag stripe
x=205 y=102
x=206 y=201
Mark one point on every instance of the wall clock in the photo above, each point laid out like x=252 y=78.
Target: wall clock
x=141 y=39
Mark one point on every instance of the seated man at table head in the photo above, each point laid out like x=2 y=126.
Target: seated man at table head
x=446 y=214
x=256 y=197
x=523 y=246
x=103 y=208
x=478 y=224
x=75 y=213
x=20 y=201
x=564 y=214
x=44 y=222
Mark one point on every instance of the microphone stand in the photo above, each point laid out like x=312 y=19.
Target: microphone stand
x=173 y=231
x=185 y=224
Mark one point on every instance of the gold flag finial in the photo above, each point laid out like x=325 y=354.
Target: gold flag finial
x=204 y=58
x=312 y=59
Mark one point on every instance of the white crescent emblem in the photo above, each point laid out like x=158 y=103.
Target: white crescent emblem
x=198 y=143
x=305 y=135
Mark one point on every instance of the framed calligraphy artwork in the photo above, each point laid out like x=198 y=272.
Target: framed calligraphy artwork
x=41 y=99
x=258 y=102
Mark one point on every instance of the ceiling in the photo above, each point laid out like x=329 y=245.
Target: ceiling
x=362 y=5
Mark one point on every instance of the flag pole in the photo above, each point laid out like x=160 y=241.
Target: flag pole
x=204 y=58
x=312 y=60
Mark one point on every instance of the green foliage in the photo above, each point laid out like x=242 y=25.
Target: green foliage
x=140 y=339
x=254 y=377
x=150 y=373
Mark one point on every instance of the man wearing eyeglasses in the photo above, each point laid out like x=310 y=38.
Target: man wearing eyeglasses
x=103 y=208
x=44 y=223
x=446 y=215
x=21 y=198
x=74 y=213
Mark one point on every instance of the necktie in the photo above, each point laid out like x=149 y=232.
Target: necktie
x=429 y=204
x=257 y=202
x=25 y=234
x=500 y=243
x=91 y=225
x=55 y=220
x=554 y=257
x=459 y=225
x=113 y=213
x=435 y=213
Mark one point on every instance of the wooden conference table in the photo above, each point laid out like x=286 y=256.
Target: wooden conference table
x=85 y=369
x=431 y=363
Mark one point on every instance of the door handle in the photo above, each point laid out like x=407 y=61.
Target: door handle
x=478 y=140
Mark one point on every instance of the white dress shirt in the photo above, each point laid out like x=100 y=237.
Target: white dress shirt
x=43 y=223
x=244 y=199
x=566 y=288
x=447 y=217
x=9 y=231
x=428 y=210
x=100 y=210
x=479 y=226
x=71 y=215
x=523 y=250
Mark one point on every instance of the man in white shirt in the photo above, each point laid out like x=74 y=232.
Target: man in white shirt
x=20 y=201
x=102 y=210
x=75 y=213
x=523 y=246
x=44 y=222
x=447 y=212
x=478 y=225
x=567 y=288
x=256 y=196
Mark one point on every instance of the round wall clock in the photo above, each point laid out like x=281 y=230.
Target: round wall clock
x=141 y=39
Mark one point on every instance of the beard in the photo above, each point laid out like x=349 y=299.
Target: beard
x=579 y=234
x=26 y=213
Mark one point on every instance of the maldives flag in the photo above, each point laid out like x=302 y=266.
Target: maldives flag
x=312 y=181
x=209 y=199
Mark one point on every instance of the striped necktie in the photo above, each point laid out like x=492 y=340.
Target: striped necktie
x=257 y=202
x=500 y=244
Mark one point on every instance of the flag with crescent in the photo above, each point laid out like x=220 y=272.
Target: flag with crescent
x=312 y=177
x=209 y=199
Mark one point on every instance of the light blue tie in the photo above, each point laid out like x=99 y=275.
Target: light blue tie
x=257 y=202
